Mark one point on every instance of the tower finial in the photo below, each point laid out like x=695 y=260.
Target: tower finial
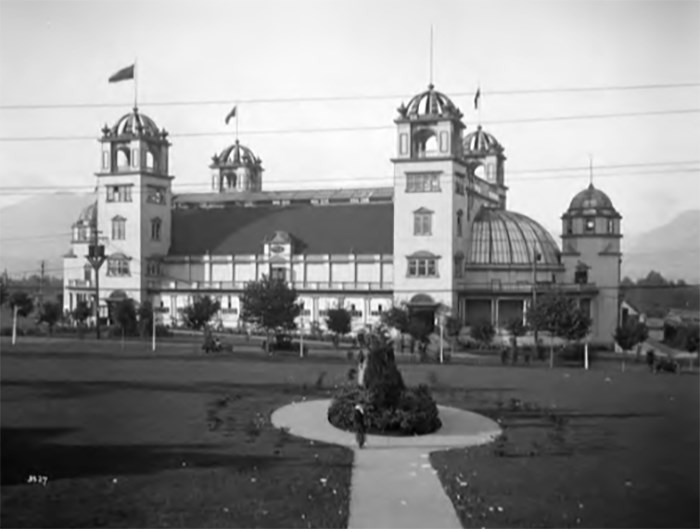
x=431 y=55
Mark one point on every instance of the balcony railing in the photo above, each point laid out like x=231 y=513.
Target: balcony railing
x=298 y=285
x=527 y=287
x=80 y=283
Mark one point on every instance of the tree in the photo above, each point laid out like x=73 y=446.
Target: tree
x=560 y=316
x=22 y=301
x=397 y=318
x=198 y=315
x=3 y=292
x=630 y=334
x=339 y=322
x=50 y=313
x=516 y=328
x=483 y=332
x=145 y=317
x=81 y=312
x=124 y=314
x=270 y=303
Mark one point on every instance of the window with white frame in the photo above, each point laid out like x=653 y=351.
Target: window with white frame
x=118 y=265
x=155 y=229
x=118 y=228
x=423 y=183
x=120 y=193
x=422 y=222
x=422 y=264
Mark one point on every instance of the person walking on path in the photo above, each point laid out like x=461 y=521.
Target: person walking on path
x=359 y=424
x=651 y=360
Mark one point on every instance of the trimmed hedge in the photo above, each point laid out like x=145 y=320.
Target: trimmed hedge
x=416 y=412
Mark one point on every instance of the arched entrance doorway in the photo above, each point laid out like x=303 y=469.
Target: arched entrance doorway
x=115 y=297
x=422 y=307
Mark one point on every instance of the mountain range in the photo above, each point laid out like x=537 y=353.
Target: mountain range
x=38 y=228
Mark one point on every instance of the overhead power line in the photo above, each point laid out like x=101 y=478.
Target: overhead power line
x=388 y=180
x=364 y=128
x=356 y=97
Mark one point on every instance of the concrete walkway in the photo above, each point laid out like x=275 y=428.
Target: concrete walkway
x=393 y=482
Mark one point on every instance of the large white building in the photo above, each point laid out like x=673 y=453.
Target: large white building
x=440 y=237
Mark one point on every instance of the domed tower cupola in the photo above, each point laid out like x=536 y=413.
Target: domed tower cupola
x=591 y=214
x=236 y=168
x=429 y=126
x=135 y=144
x=484 y=156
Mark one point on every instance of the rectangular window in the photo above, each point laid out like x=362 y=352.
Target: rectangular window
x=156 y=195
x=118 y=267
x=611 y=226
x=422 y=267
x=118 y=193
x=403 y=143
x=118 y=228
x=422 y=224
x=423 y=183
x=277 y=273
x=444 y=144
x=569 y=226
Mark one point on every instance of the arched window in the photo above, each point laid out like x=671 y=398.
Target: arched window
x=118 y=228
x=155 y=229
x=150 y=160
x=123 y=158
x=425 y=143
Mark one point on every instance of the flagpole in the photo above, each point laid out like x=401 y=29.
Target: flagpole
x=431 y=54
x=136 y=84
x=237 y=112
x=478 y=105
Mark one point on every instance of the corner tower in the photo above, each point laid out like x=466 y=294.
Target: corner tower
x=429 y=201
x=134 y=199
x=591 y=237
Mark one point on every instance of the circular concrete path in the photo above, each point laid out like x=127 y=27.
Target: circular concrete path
x=460 y=428
x=394 y=485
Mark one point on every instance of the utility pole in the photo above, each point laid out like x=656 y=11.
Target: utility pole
x=535 y=258
x=41 y=283
x=96 y=257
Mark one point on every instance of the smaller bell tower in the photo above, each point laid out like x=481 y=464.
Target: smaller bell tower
x=592 y=256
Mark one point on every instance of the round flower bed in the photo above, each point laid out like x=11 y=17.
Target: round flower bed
x=415 y=412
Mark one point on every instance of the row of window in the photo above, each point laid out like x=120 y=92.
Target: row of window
x=119 y=228
x=589 y=226
x=123 y=193
x=423 y=222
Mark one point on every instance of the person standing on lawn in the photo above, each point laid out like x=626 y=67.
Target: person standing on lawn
x=359 y=424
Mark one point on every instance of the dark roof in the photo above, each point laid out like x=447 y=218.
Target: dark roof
x=371 y=194
x=341 y=229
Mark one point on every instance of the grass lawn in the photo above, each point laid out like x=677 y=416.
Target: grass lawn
x=176 y=438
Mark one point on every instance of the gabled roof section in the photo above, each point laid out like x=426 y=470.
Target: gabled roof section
x=342 y=229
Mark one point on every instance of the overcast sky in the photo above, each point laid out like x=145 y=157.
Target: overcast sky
x=62 y=52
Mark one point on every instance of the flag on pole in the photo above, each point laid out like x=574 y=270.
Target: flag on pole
x=476 y=98
x=231 y=114
x=123 y=75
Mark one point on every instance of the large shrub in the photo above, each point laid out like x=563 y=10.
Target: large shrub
x=415 y=413
x=390 y=407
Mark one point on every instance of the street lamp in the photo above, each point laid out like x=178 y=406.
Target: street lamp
x=96 y=257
